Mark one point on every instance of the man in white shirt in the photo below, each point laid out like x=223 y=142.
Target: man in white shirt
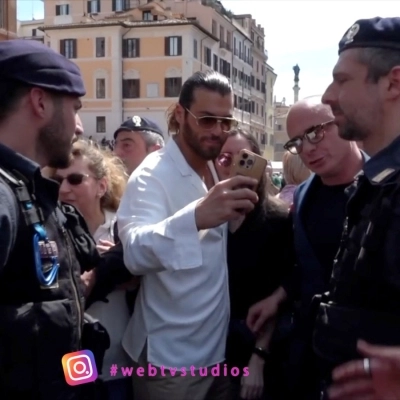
x=172 y=224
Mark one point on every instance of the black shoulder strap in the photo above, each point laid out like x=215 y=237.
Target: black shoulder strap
x=31 y=213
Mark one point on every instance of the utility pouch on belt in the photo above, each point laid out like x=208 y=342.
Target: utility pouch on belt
x=96 y=339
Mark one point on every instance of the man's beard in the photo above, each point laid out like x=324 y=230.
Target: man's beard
x=195 y=144
x=350 y=131
x=54 y=143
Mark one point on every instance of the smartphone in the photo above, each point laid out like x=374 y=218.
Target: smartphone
x=249 y=164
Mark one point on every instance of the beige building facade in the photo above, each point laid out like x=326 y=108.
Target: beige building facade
x=8 y=19
x=134 y=56
x=280 y=133
x=29 y=30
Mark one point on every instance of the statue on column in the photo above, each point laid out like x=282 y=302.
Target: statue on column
x=296 y=70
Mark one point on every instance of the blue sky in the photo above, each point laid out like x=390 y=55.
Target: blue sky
x=297 y=32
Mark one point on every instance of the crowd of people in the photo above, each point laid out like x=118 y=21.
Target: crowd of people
x=150 y=254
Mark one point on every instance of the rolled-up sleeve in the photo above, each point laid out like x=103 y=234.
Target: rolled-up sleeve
x=152 y=238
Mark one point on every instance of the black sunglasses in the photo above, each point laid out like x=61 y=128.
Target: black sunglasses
x=74 y=179
x=313 y=134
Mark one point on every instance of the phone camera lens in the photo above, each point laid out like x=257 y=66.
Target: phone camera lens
x=241 y=162
x=249 y=162
x=245 y=155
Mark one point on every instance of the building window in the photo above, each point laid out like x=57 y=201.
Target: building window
x=100 y=88
x=100 y=47
x=2 y=15
x=207 y=56
x=173 y=46
x=215 y=62
x=173 y=87
x=214 y=28
x=229 y=40
x=34 y=32
x=117 y=5
x=68 y=48
x=221 y=33
x=131 y=88
x=258 y=87
x=195 y=49
x=93 y=6
x=147 y=16
x=62 y=9
x=130 y=48
x=120 y=5
x=100 y=124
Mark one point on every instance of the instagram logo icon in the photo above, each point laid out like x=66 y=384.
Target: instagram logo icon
x=79 y=367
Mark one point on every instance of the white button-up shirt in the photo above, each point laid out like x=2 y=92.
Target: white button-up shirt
x=182 y=308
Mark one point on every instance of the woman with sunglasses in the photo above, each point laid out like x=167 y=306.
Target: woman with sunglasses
x=94 y=183
x=259 y=256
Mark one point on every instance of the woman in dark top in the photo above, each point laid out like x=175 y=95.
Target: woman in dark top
x=259 y=257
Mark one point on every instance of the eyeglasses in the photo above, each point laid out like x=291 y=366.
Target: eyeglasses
x=208 y=122
x=313 y=134
x=73 y=179
x=225 y=159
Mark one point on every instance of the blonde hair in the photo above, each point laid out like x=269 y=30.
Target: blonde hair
x=294 y=171
x=103 y=164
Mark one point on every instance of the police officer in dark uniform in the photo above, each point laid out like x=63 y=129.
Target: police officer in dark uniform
x=364 y=297
x=41 y=298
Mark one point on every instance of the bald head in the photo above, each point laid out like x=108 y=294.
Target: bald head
x=304 y=113
x=310 y=125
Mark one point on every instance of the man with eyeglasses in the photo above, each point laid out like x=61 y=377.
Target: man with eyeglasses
x=318 y=212
x=172 y=224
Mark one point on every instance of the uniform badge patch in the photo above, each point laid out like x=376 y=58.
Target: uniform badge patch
x=48 y=250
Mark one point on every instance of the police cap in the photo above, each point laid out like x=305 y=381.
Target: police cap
x=137 y=123
x=32 y=63
x=374 y=32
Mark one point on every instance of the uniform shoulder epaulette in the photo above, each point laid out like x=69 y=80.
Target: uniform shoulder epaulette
x=384 y=175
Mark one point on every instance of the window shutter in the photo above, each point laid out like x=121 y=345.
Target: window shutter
x=98 y=6
x=166 y=87
x=124 y=52
x=167 y=50
x=114 y=5
x=58 y=12
x=62 y=47
x=75 y=50
x=89 y=7
x=179 y=45
x=137 y=44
